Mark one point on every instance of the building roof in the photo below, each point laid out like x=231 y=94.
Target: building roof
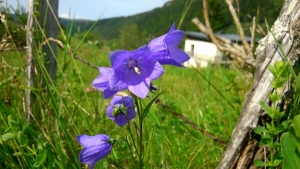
x=203 y=37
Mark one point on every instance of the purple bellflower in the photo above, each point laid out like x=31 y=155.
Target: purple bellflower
x=165 y=48
x=94 y=148
x=121 y=109
x=101 y=82
x=134 y=70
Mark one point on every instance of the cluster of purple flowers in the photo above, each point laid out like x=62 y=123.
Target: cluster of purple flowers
x=133 y=71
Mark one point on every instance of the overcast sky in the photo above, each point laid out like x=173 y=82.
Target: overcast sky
x=92 y=9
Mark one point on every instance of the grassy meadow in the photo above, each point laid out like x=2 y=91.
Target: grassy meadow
x=211 y=98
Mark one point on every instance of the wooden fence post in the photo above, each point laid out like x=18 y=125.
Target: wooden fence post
x=48 y=13
x=242 y=147
x=28 y=68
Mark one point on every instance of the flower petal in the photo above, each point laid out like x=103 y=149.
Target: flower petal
x=140 y=90
x=131 y=113
x=165 y=48
x=108 y=93
x=157 y=44
x=119 y=57
x=101 y=82
x=106 y=71
x=157 y=71
x=87 y=141
x=179 y=55
x=93 y=154
x=141 y=52
x=121 y=120
x=129 y=76
x=146 y=67
x=128 y=101
x=116 y=84
x=109 y=111
x=173 y=39
x=95 y=148
x=132 y=70
x=169 y=62
x=118 y=101
x=172 y=28
x=145 y=64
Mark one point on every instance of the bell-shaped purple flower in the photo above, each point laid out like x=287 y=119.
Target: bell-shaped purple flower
x=121 y=110
x=165 y=48
x=94 y=148
x=101 y=82
x=134 y=70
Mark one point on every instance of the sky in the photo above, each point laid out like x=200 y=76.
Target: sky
x=93 y=9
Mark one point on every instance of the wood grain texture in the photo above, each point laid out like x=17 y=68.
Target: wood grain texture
x=267 y=53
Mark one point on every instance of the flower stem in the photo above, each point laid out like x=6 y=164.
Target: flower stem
x=141 y=143
x=131 y=136
x=131 y=152
x=140 y=110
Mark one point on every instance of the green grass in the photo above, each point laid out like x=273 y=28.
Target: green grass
x=211 y=98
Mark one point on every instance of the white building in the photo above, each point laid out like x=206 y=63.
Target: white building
x=202 y=51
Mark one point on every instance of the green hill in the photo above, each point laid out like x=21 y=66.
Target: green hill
x=159 y=20
x=156 y=21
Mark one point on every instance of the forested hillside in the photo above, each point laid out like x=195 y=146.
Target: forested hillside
x=158 y=21
x=135 y=30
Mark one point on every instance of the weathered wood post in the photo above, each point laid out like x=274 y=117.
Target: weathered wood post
x=28 y=61
x=241 y=149
x=46 y=20
x=48 y=13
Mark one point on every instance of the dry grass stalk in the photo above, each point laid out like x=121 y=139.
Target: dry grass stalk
x=240 y=53
x=232 y=50
x=239 y=27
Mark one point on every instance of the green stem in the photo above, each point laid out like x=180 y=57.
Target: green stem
x=131 y=152
x=272 y=142
x=138 y=104
x=141 y=143
x=284 y=55
x=272 y=134
x=131 y=136
x=139 y=109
